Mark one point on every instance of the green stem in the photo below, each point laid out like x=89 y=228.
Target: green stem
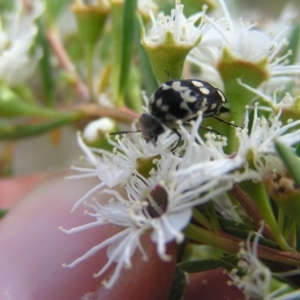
x=117 y=9
x=45 y=66
x=231 y=244
x=213 y=216
x=251 y=209
x=280 y=220
x=126 y=47
x=201 y=219
x=148 y=77
x=259 y=196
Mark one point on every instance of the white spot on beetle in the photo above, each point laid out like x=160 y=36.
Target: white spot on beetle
x=165 y=87
x=183 y=105
x=177 y=86
x=158 y=102
x=186 y=95
x=204 y=91
x=197 y=83
x=213 y=106
x=222 y=96
x=164 y=108
x=170 y=117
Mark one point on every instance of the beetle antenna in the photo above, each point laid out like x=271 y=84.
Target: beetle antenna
x=228 y=123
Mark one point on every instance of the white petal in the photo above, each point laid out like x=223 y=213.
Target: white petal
x=177 y=221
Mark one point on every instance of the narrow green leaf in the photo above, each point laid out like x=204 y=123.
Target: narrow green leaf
x=201 y=219
x=213 y=215
x=290 y=160
x=179 y=285
x=234 y=224
x=149 y=79
x=294 y=43
x=133 y=95
x=12 y=106
x=127 y=44
x=297 y=151
x=227 y=262
x=259 y=196
x=117 y=10
x=53 y=9
x=45 y=65
x=13 y=132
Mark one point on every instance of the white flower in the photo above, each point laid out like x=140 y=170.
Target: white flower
x=255 y=283
x=245 y=43
x=16 y=63
x=112 y=168
x=286 y=103
x=259 y=142
x=123 y=244
x=145 y=7
x=160 y=204
x=183 y=30
x=95 y=128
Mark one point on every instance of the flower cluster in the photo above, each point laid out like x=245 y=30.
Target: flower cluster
x=159 y=188
x=16 y=39
x=216 y=150
x=254 y=278
x=160 y=198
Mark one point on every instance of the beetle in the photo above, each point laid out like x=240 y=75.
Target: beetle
x=180 y=100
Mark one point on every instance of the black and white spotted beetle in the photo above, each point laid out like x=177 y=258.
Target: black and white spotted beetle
x=180 y=100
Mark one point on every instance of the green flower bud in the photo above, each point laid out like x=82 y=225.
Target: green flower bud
x=286 y=194
x=169 y=42
x=232 y=68
x=94 y=134
x=91 y=21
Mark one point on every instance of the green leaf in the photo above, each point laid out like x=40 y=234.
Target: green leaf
x=13 y=132
x=297 y=151
x=133 y=95
x=259 y=195
x=212 y=215
x=127 y=45
x=148 y=76
x=53 y=9
x=227 y=262
x=12 y=106
x=45 y=65
x=290 y=160
x=117 y=9
x=294 y=43
x=179 y=284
